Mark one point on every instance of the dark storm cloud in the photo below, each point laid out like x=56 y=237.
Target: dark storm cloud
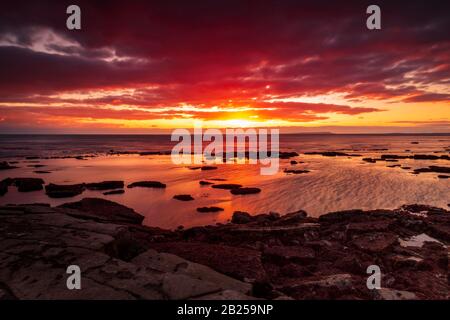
x=212 y=51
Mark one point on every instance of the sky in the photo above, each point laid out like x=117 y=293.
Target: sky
x=152 y=66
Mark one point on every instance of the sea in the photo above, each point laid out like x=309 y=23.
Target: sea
x=332 y=183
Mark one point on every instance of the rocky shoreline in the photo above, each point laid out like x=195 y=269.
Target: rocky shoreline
x=253 y=257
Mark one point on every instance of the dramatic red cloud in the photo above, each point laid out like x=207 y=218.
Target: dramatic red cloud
x=140 y=60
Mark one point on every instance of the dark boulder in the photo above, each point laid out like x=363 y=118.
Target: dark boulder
x=5 y=166
x=440 y=169
x=147 y=184
x=295 y=171
x=209 y=209
x=105 y=185
x=28 y=184
x=245 y=191
x=393 y=156
x=281 y=254
x=3 y=188
x=103 y=210
x=227 y=186
x=183 y=197
x=149 y=153
x=207 y=168
x=120 y=191
x=293 y=217
x=375 y=242
x=241 y=217
x=340 y=216
x=333 y=154
x=287 y=155
x=205 y=183
x=425 y=157
x=437 y=169
x=64 y=191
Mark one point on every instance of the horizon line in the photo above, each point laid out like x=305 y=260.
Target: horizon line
x=285 y=133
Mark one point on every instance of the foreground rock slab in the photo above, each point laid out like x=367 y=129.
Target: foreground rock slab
x=38 y=242
x=268 y=256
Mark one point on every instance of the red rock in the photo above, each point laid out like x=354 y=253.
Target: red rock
x=6 y=166
x=209 y=209
x=3 y=188
x=226 y=186
x=147 y=184
x=399 y=262
x=28 y=184
x=240 y=217
x=183 y=197
x=440 y=231
x=375 y=242
x=333 y=154
x=207 y=168
x=245 y=191
x=64 y=191
x=341 y=216
x=240 y=263
x=287 y=155
x=295 y=171
x=104 y=210
x=437 y=169
x=299 y=254
x=369 y=226
x=335 y=286
x=107 y=193
x=293 y=217
x=105 y=185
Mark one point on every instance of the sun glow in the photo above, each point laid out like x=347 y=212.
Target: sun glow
x=239 y=123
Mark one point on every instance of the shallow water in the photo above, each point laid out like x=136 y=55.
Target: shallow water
x=334 y=183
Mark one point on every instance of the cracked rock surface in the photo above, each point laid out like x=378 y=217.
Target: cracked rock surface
x=38 y=243
x=268 y=256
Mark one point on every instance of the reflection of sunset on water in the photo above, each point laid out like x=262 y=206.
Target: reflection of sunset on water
x=336 y=183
